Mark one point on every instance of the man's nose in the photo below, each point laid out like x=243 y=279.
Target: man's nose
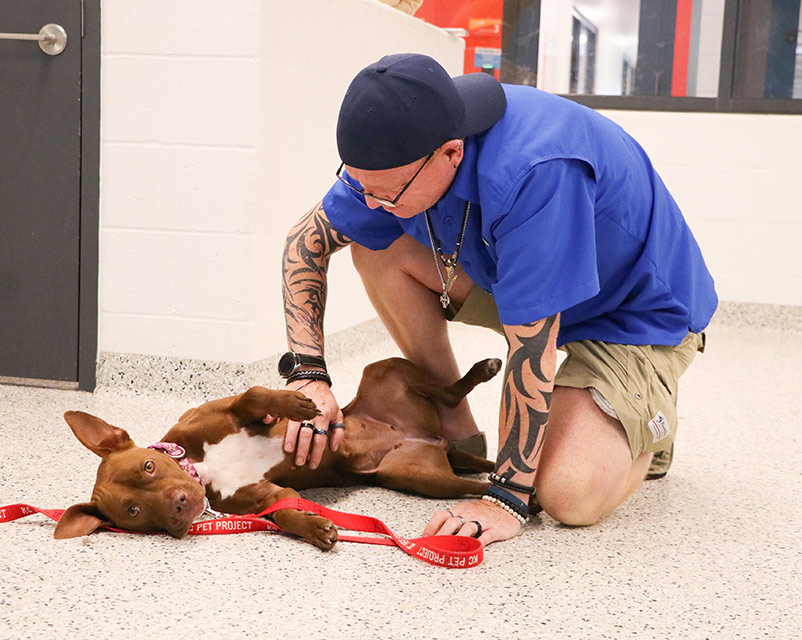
x=371 y=202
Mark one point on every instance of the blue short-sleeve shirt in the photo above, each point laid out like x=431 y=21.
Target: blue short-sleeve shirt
x=567 y=215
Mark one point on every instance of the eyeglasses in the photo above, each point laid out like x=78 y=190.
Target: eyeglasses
x=383 y=201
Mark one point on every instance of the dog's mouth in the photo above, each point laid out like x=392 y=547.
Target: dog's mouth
x=180 y=532
x=181 y=522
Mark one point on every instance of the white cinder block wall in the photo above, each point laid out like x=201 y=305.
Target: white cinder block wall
x=218 y=133
x=218 y=125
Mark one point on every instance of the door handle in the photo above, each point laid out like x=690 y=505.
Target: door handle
x=52 y=38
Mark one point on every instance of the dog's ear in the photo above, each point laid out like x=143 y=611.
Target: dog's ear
x=79 y=520
x=97 y=435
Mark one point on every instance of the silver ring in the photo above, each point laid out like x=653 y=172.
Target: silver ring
x=337 y=425
x=461 y=519
x=450 y=513
x=321 y=432
x=307 y=425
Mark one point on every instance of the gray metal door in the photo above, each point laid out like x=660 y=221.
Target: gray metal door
x=40 y=194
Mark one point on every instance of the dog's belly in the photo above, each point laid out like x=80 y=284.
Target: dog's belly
x=239 y=460
x=368 y=442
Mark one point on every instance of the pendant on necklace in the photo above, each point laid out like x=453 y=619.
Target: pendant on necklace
x=450 y=262
x=451 y=276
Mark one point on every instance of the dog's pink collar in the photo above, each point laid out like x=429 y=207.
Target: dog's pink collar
x=178 y=453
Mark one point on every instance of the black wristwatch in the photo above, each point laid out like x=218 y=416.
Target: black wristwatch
x=292 y=361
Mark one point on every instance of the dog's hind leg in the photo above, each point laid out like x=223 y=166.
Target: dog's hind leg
x=424 y=469
x=467 y=462
x=451 y=395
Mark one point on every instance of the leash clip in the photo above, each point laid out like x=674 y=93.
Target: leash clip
x=208 y=511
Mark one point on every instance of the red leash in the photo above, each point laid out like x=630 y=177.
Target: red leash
x=444 y=551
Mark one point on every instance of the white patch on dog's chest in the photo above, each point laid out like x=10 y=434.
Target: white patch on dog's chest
x=239 y=460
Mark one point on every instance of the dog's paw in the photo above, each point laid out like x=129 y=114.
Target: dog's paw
x=487 y=368
x=313 y=528
x=321 y=532
x=295 y=406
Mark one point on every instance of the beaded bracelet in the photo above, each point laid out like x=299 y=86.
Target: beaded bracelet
x=505 y=496
x=310 y=374
x=508 y=501
x=501 y=481
x=506 y=507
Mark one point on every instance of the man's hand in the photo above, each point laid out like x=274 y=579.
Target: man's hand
x=461 y=520
x=305 y=438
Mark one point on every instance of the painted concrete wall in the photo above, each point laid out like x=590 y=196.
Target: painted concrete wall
x=218 y=132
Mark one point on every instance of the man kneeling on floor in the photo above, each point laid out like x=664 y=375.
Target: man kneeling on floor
x=503 y=206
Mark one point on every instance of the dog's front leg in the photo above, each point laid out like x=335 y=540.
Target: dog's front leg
x=257 y=402
x=256 y=497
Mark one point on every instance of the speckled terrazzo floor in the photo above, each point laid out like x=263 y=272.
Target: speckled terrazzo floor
x=713 y=550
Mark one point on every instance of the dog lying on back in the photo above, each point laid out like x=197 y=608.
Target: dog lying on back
x=223 y=452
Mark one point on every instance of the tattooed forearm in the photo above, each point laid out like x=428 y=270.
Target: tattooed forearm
x=307 y=251
x=525 y=403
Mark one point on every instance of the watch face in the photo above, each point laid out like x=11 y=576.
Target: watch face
x=287 y=364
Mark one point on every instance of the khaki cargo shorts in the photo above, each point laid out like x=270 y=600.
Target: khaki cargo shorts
x=636 y=384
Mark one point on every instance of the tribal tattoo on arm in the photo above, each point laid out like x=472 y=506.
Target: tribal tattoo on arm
x=307 y=251
x=526 y=399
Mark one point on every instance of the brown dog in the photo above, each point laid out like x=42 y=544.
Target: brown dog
x=393 y=439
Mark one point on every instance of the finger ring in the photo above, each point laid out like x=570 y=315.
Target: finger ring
x=479 y=529
x=321 y=432
x=461 y=519
x=450 y=513
x=307 y=425
x=337 y=425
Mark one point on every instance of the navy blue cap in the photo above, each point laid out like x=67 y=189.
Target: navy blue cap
x=404 y=106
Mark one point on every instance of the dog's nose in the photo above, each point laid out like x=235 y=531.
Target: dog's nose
x=179 y=502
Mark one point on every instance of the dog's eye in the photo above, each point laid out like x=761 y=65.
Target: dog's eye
x=149 y=466
x=133 y=511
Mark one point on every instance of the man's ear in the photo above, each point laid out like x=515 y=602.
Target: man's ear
x=97 y=435
x=79 y=520
x=453 y=151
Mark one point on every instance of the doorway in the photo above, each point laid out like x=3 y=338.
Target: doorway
x=49 y=171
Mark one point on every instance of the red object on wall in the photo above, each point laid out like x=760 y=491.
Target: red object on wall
x=481 y=19
x=682 y=43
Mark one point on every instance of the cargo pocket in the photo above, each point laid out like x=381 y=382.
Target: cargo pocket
x=652 y=392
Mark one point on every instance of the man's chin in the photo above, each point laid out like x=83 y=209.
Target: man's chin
x=405 y=212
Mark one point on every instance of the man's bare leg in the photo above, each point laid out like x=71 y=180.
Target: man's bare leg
x=404 y=287
x=586 y=468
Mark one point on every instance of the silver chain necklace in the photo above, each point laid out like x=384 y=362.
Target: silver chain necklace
x=450 y=262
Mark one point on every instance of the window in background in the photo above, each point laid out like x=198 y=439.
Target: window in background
x=633 y=47
x=627 y=78
x=583 y=54
x=719 y=55
x=769 y=50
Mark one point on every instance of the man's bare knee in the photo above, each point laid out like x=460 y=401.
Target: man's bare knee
x=579 y=497
x=569 y=507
